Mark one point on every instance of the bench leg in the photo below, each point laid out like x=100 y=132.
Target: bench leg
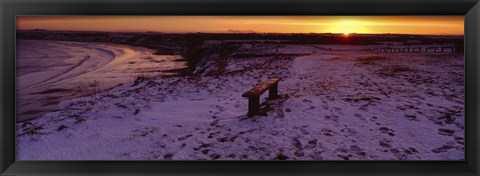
x=253 y=105
x=273 y=91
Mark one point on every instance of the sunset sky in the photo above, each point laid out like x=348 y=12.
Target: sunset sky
x=437 y=25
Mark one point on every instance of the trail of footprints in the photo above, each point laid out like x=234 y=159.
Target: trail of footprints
x=308 y=142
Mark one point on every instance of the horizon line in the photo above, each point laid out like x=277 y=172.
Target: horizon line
x=227 y=32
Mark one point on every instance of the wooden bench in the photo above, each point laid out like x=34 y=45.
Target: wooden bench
x=254 y=94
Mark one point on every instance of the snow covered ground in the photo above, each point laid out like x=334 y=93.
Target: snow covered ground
x=51 y=71
x=332 y=106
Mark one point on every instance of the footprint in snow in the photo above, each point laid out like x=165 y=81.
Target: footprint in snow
x=442 y=149
x=296 y=142
x=411 y=117
x=311 y=144
x=168 y=156
x=386 y=130
x=326 y=132
x=214 y=123
x=304 y=131
x=460 y=140
x=332 y=118
x=203 y=145
x=306 y=101
x=343 y=153
x=184 y=137
x=446 y=132
x=385 y=143
x=215 y=156
x=299 y=153
x=357 y=150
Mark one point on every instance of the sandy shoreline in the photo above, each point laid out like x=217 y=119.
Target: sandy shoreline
x=332 y=106
x=50 y=71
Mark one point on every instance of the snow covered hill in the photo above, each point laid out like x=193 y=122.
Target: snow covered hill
x=332 y=106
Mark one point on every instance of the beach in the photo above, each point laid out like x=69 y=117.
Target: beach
x=49 y=72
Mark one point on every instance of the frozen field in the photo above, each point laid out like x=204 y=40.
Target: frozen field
x=51 y=71
x=332 y=106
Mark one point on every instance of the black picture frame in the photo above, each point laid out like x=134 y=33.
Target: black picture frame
x=11 y=8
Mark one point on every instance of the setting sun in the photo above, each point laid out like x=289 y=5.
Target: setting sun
x=347 y=26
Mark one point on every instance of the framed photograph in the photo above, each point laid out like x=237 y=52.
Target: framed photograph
x=235 y=88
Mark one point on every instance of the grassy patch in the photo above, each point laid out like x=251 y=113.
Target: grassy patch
x=370 y=60
x=394 y=70
x=54 y=90
x=361 y=98
x=88 y=88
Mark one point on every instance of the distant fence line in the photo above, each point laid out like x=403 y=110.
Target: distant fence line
x=397 y=50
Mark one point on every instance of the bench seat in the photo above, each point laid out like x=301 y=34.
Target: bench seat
x=271 y=84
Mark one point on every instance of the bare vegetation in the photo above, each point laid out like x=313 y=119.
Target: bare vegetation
x=144 y=74
x=370 y=60
x=393 y=70
x=88 y=88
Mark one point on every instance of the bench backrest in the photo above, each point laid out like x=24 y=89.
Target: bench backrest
x=262 y=87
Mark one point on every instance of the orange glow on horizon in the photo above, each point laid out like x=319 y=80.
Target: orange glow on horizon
x=434 y=25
